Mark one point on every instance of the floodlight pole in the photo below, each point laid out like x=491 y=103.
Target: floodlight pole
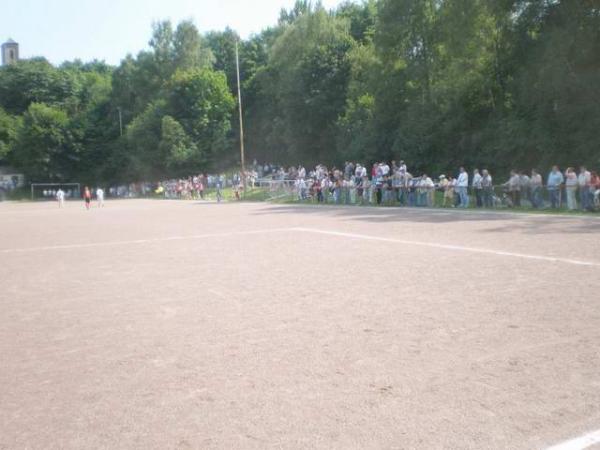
x=239 y=89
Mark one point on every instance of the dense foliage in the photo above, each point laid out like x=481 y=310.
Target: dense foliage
x=439 y=83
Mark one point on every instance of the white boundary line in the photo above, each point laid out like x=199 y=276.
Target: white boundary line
x=142 y=241
x=308 y=230
x=579 y=443
x=451 y=247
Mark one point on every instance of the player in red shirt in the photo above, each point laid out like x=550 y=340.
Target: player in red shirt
x=87 y=196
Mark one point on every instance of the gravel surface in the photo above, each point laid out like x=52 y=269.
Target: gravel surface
x=162 y=324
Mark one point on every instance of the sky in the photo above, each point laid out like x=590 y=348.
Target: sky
x=62 y=30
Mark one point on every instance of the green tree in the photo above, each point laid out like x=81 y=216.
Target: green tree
x=44 y=147
x=143 y=157
x=8 y=130
x=175 y=144
x=362 y=17
x=35 y=81
x=200 y=101
x=310 y=74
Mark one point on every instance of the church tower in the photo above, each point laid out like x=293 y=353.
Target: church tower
x=10 y=52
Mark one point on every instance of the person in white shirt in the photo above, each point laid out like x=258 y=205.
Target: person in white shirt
x=325 y=183
x=385 y=169
x=584 y=181
x=488 y=189
x=427 y=190
x=301 y=187
x=462 y=186
x=513 y=185
x=357 y=173
x=571 y=183
x=60 y=197
x=478 y=188
x=301 y=172
x=525 y=183
x=447 y=186
x=100 y=197
x=367 y=196
x=402 y=167
x=535 y=185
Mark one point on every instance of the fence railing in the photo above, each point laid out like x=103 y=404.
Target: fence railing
x=496 y=197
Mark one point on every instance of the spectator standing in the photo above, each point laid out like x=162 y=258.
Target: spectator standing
x=367 y=196
x=478 y=188
x=450 y=192
x=402 y=167
x=488 y=189
x=555 y=181
x=406 y=188
x=571 y=188
x=301 y=187
x=429 y=188
x=514 y=188
x=385 y=169
x=462 y=186
x=357 y=173
x=201 y=185
x=443 y=186
x=388 y=190
x=584 y=180
x=378 y=189
x=535 y=185
x=525 y=187
x=595 y=189
x=301 y=172
x=218 y=186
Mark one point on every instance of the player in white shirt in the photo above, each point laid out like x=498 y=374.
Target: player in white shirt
x=100 y=197
x=60 y=197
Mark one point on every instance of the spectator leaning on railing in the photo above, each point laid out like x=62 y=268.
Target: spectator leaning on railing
x=555 y=181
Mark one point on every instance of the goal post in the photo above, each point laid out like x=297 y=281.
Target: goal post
x=47 y=191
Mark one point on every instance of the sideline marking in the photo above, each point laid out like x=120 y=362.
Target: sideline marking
x=142 y=241
x=450 y=247
x=307 y=230
x=579 y=443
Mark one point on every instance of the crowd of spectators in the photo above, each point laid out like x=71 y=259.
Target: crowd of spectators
x=392 y=183
x=197 y=187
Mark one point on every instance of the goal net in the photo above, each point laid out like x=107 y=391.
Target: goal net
x=47 y=191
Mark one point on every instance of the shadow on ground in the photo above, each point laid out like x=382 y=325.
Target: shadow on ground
x=506 y=221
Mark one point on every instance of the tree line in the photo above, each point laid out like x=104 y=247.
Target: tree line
x=439 y=83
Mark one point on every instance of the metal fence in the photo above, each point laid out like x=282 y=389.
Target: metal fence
x=496 y=197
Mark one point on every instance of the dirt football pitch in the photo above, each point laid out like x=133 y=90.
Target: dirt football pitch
x=175 y=325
